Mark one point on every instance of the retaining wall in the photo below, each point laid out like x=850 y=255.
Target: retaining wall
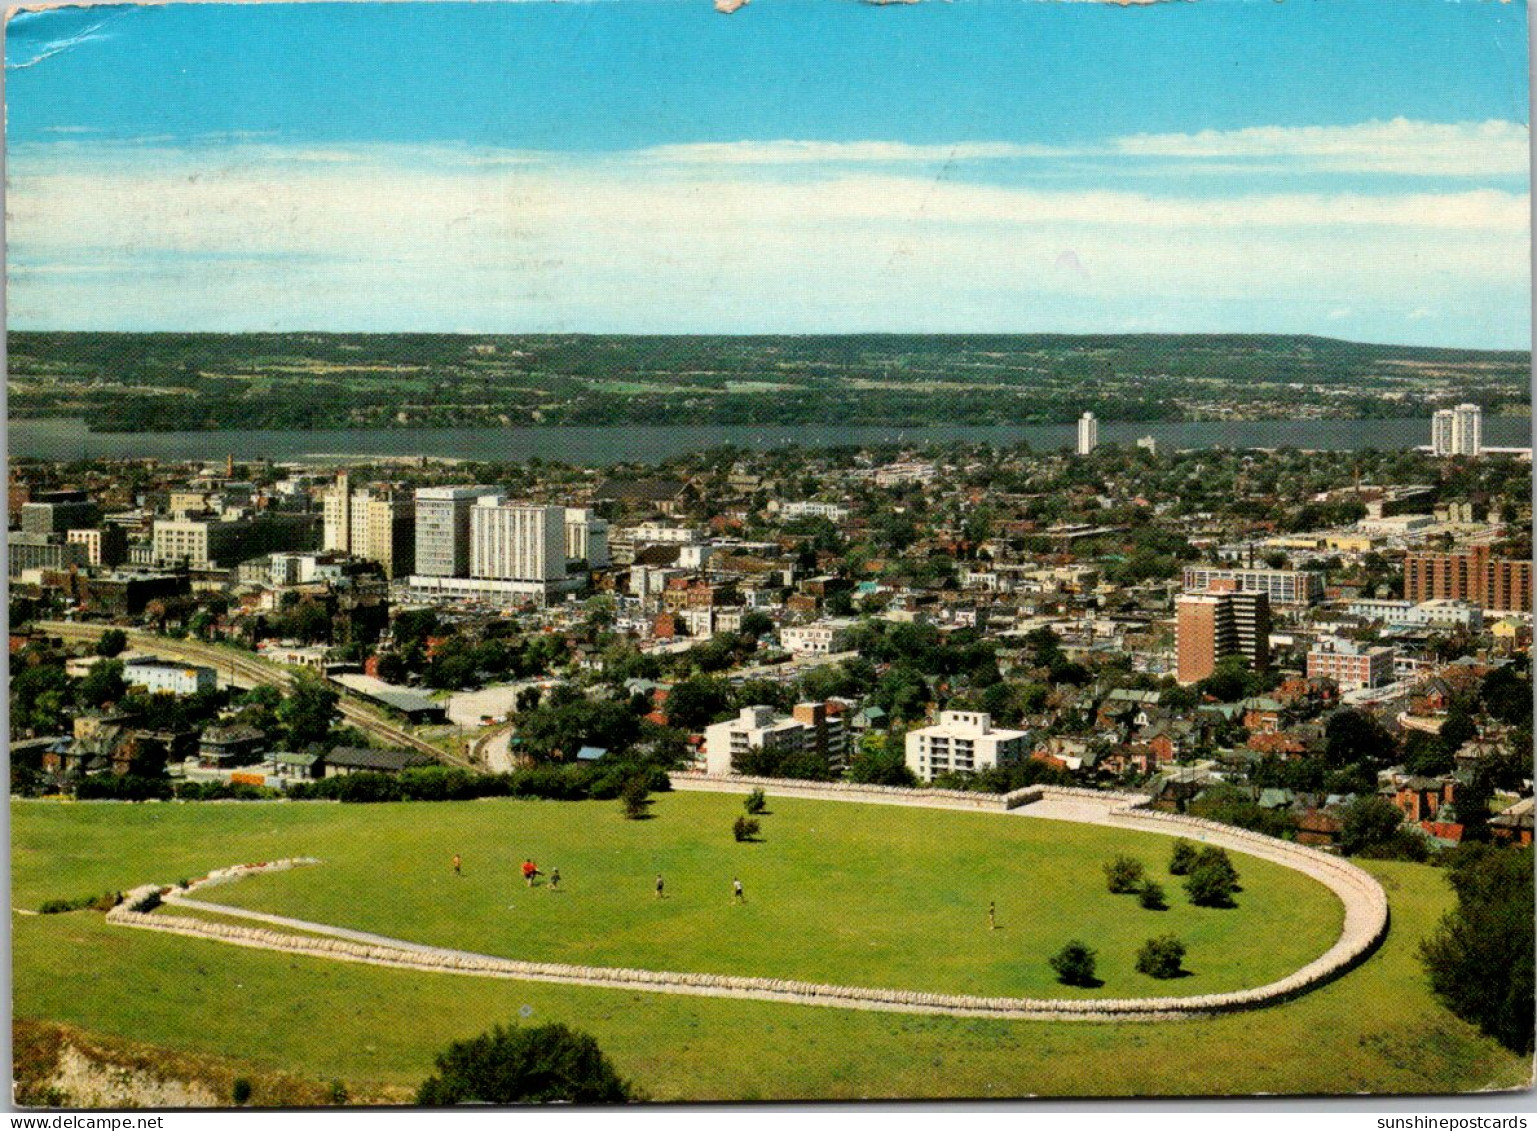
x=1366 y=924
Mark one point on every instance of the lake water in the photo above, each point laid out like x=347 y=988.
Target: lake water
x=70 y=439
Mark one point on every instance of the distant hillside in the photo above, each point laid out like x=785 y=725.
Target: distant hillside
x=164 y=382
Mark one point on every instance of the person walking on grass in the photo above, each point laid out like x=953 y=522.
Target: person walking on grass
x=529 y=872
x=736 y=891
x=992 y=916
x=554 y=879
x=659 y=894
x=457 y=865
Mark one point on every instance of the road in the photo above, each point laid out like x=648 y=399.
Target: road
x=241 y=669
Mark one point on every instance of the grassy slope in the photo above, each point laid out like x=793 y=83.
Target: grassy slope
x=854 y=894
x=1377 y=1029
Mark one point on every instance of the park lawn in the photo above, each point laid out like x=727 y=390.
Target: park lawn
x=869 y=895
x=1377 y=1029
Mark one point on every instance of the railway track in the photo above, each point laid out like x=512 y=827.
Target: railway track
x=244 y=670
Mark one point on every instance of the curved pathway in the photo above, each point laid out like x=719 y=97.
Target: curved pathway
x=1365 y=925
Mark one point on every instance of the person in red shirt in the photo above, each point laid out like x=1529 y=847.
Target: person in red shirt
x=529 y=872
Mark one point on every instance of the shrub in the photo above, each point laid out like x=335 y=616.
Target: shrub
x=339 y=1095
x=241 y=1092
x=744 y=829
x=1405 y=844
x=756 y=802
x=1210 y=885
x=1151 y=896
x=127 y=787
x=1074 y=965
x=1123 y=875
x=546 y=1064
x=635 y=798
x=1161 y=957
x=1479 y=958
x=148 y=903
x=1182 y=859
x=1212 y=856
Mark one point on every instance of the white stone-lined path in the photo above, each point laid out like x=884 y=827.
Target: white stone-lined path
x=1365 y=924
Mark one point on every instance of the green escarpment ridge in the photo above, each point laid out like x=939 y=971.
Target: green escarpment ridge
x=199 y=382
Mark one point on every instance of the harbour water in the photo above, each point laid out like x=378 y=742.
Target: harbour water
x=60 y=439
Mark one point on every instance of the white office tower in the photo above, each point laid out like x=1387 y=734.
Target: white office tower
x=1088 y=433
x=443 y=528
x=586 y=537
x=1443 y=431
x=509 y=542
x=1468 y=431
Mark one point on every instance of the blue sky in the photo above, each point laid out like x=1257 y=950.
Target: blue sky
x=1352 y=169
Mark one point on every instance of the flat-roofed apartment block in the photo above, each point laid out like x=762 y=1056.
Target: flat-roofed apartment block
x=1281 y=586
x=821 y=728
x=1474 y=575
x=104 y=546
x=377 y=525
x=1211 y=626
x=963 y=742
x=1349 y=665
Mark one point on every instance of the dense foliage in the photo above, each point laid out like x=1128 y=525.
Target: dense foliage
x=1480 y=959
x=515 y=1065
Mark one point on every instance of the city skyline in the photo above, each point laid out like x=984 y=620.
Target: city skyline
x=1227 y=167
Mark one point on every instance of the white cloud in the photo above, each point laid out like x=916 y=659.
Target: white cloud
x=787 y=152
x=1454 y=149
x=243 y=236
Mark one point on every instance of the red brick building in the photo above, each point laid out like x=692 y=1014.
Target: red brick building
x=1472 y=575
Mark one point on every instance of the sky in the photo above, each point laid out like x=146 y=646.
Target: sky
x=1352 y=169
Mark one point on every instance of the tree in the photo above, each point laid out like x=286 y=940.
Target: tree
x=544 y=1064
x=879 y=760
x=103 y=684
x=756 y=624
x=755 y=803
x=111 y=643
x=1182 y=859
x=1480 y=958
x=745 y=829
x=1074 y=965
x=1368 y=821
x=1123 y=874
x=698 y=702
x=1210 y=885
x=309 y=711
x=1162 y=957
x=1150 y=895
x=635 y=798
x=1352 y=737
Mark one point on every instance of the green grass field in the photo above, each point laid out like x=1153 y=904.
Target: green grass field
x=911 y=886
x=853 y=894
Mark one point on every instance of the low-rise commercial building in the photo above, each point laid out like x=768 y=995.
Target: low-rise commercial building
x=168 y=677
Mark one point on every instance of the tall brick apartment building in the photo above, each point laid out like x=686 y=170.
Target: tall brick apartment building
x=1473 y=575
x=1219 y=623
